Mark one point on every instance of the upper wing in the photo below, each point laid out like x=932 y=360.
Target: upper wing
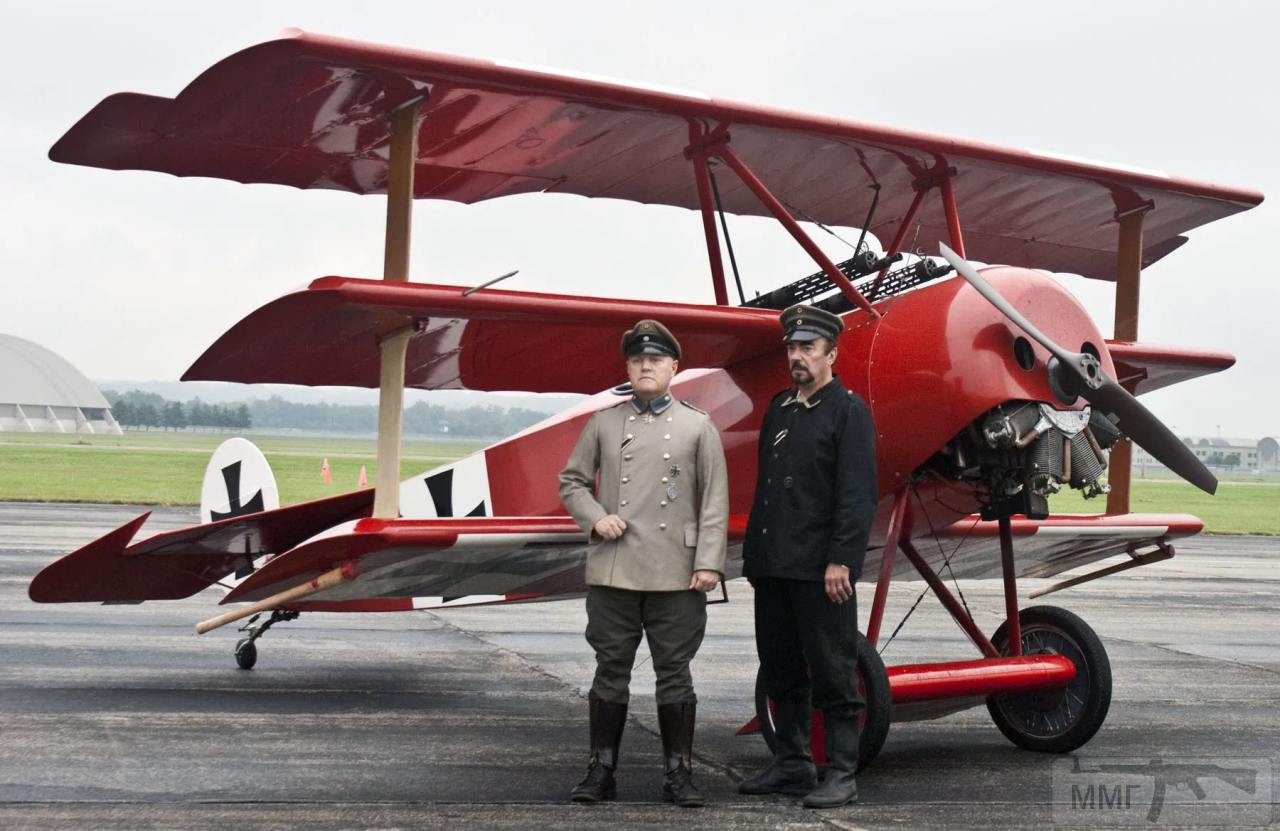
x=310 y=111
x=329 y=334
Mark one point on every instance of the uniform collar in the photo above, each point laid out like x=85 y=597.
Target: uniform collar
x=656 y=406
x=815 y=399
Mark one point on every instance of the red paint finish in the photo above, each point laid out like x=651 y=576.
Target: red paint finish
x=953 y=215
x=384 y=542
x=309 y=111
x=177 y=564
x=328 y=335
x=942 y=356
x=705 y=202
x=897 y=520
x=914 y=683
x=1177 y=525
x=1145 y=367
x=989 y=676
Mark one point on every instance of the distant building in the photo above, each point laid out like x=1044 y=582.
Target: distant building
x=1219 y=452
x=41 y=392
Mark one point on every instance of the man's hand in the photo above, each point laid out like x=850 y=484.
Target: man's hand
x=611 y=527
x=839 y=589
x=704 y=581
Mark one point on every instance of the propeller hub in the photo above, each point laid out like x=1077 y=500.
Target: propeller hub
x=1090 y=370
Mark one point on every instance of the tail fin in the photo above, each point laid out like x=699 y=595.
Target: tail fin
x=238 y=481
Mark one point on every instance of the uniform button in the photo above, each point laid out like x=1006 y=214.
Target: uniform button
x=788 y=482
x=668 y=418
x=768 y=481
x=666 y=455
x=662 y=526
x=663 y=503
x=626 y=458
x=764 y=531
x=631 y=435
x=667 y=436
x=766 y=503
x=664 y=480
x=631 y=418
x=626 y=479
x=622 y=504
x=775 y=455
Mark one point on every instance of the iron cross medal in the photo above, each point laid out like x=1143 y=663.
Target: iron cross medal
x=672 y=491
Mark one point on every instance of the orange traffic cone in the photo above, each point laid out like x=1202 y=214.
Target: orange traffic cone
x=364 y=478
x=326 y=475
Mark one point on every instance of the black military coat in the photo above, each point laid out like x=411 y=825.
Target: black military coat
x=815 y=487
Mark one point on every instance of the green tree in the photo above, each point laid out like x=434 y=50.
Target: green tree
x=173 y=417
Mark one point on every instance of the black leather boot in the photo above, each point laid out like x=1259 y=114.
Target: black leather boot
x=791 y=772
x=676 y=721
x=838 y=786
x=607 y=721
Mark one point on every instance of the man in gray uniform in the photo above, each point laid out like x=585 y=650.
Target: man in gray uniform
x=657 y=524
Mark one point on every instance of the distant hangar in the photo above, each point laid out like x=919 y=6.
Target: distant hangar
x=41 y=392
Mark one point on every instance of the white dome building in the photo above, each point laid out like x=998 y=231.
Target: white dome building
x=40 y=392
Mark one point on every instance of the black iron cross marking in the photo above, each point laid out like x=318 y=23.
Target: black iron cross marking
x=231 y=476
x=440 y=486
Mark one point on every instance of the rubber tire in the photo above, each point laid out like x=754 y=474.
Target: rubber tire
x=1096 y=689
x=874 y=725
x=246 y=653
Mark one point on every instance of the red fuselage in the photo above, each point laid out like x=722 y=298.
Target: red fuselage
x=938 y=358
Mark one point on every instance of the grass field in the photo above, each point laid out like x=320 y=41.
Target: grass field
x=158 y=468
x=1237 y=508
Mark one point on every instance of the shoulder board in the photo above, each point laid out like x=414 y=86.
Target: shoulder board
x=611 y=407
x=690 y=406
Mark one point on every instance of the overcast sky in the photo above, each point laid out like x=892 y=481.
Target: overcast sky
x=133 y=274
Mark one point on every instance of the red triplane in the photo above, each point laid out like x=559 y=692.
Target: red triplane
x=990 y=392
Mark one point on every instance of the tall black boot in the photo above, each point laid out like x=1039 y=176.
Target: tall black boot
x=676 y=722
x=791 y=772
x=838 y=786
x=607 y=721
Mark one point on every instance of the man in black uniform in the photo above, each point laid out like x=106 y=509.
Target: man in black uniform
x=806 y=540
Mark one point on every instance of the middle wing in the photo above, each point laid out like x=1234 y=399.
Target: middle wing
x=328 y=334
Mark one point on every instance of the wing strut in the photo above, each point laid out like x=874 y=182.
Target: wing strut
x=1128 y=271
x=392 y=349
x=716 y=143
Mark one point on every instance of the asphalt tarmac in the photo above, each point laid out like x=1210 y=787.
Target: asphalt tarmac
x=121 y=717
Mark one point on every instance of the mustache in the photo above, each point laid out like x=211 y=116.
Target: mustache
x=798 y=365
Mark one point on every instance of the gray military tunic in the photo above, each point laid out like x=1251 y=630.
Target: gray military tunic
x=661 y=468
x=664 y=475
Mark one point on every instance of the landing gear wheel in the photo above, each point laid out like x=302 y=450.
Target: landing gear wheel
x=1055 y=721
x=873 y=724
x=246 y=653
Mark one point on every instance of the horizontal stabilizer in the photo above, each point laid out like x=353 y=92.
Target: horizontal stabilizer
x=177 y=564
x=328 y=334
